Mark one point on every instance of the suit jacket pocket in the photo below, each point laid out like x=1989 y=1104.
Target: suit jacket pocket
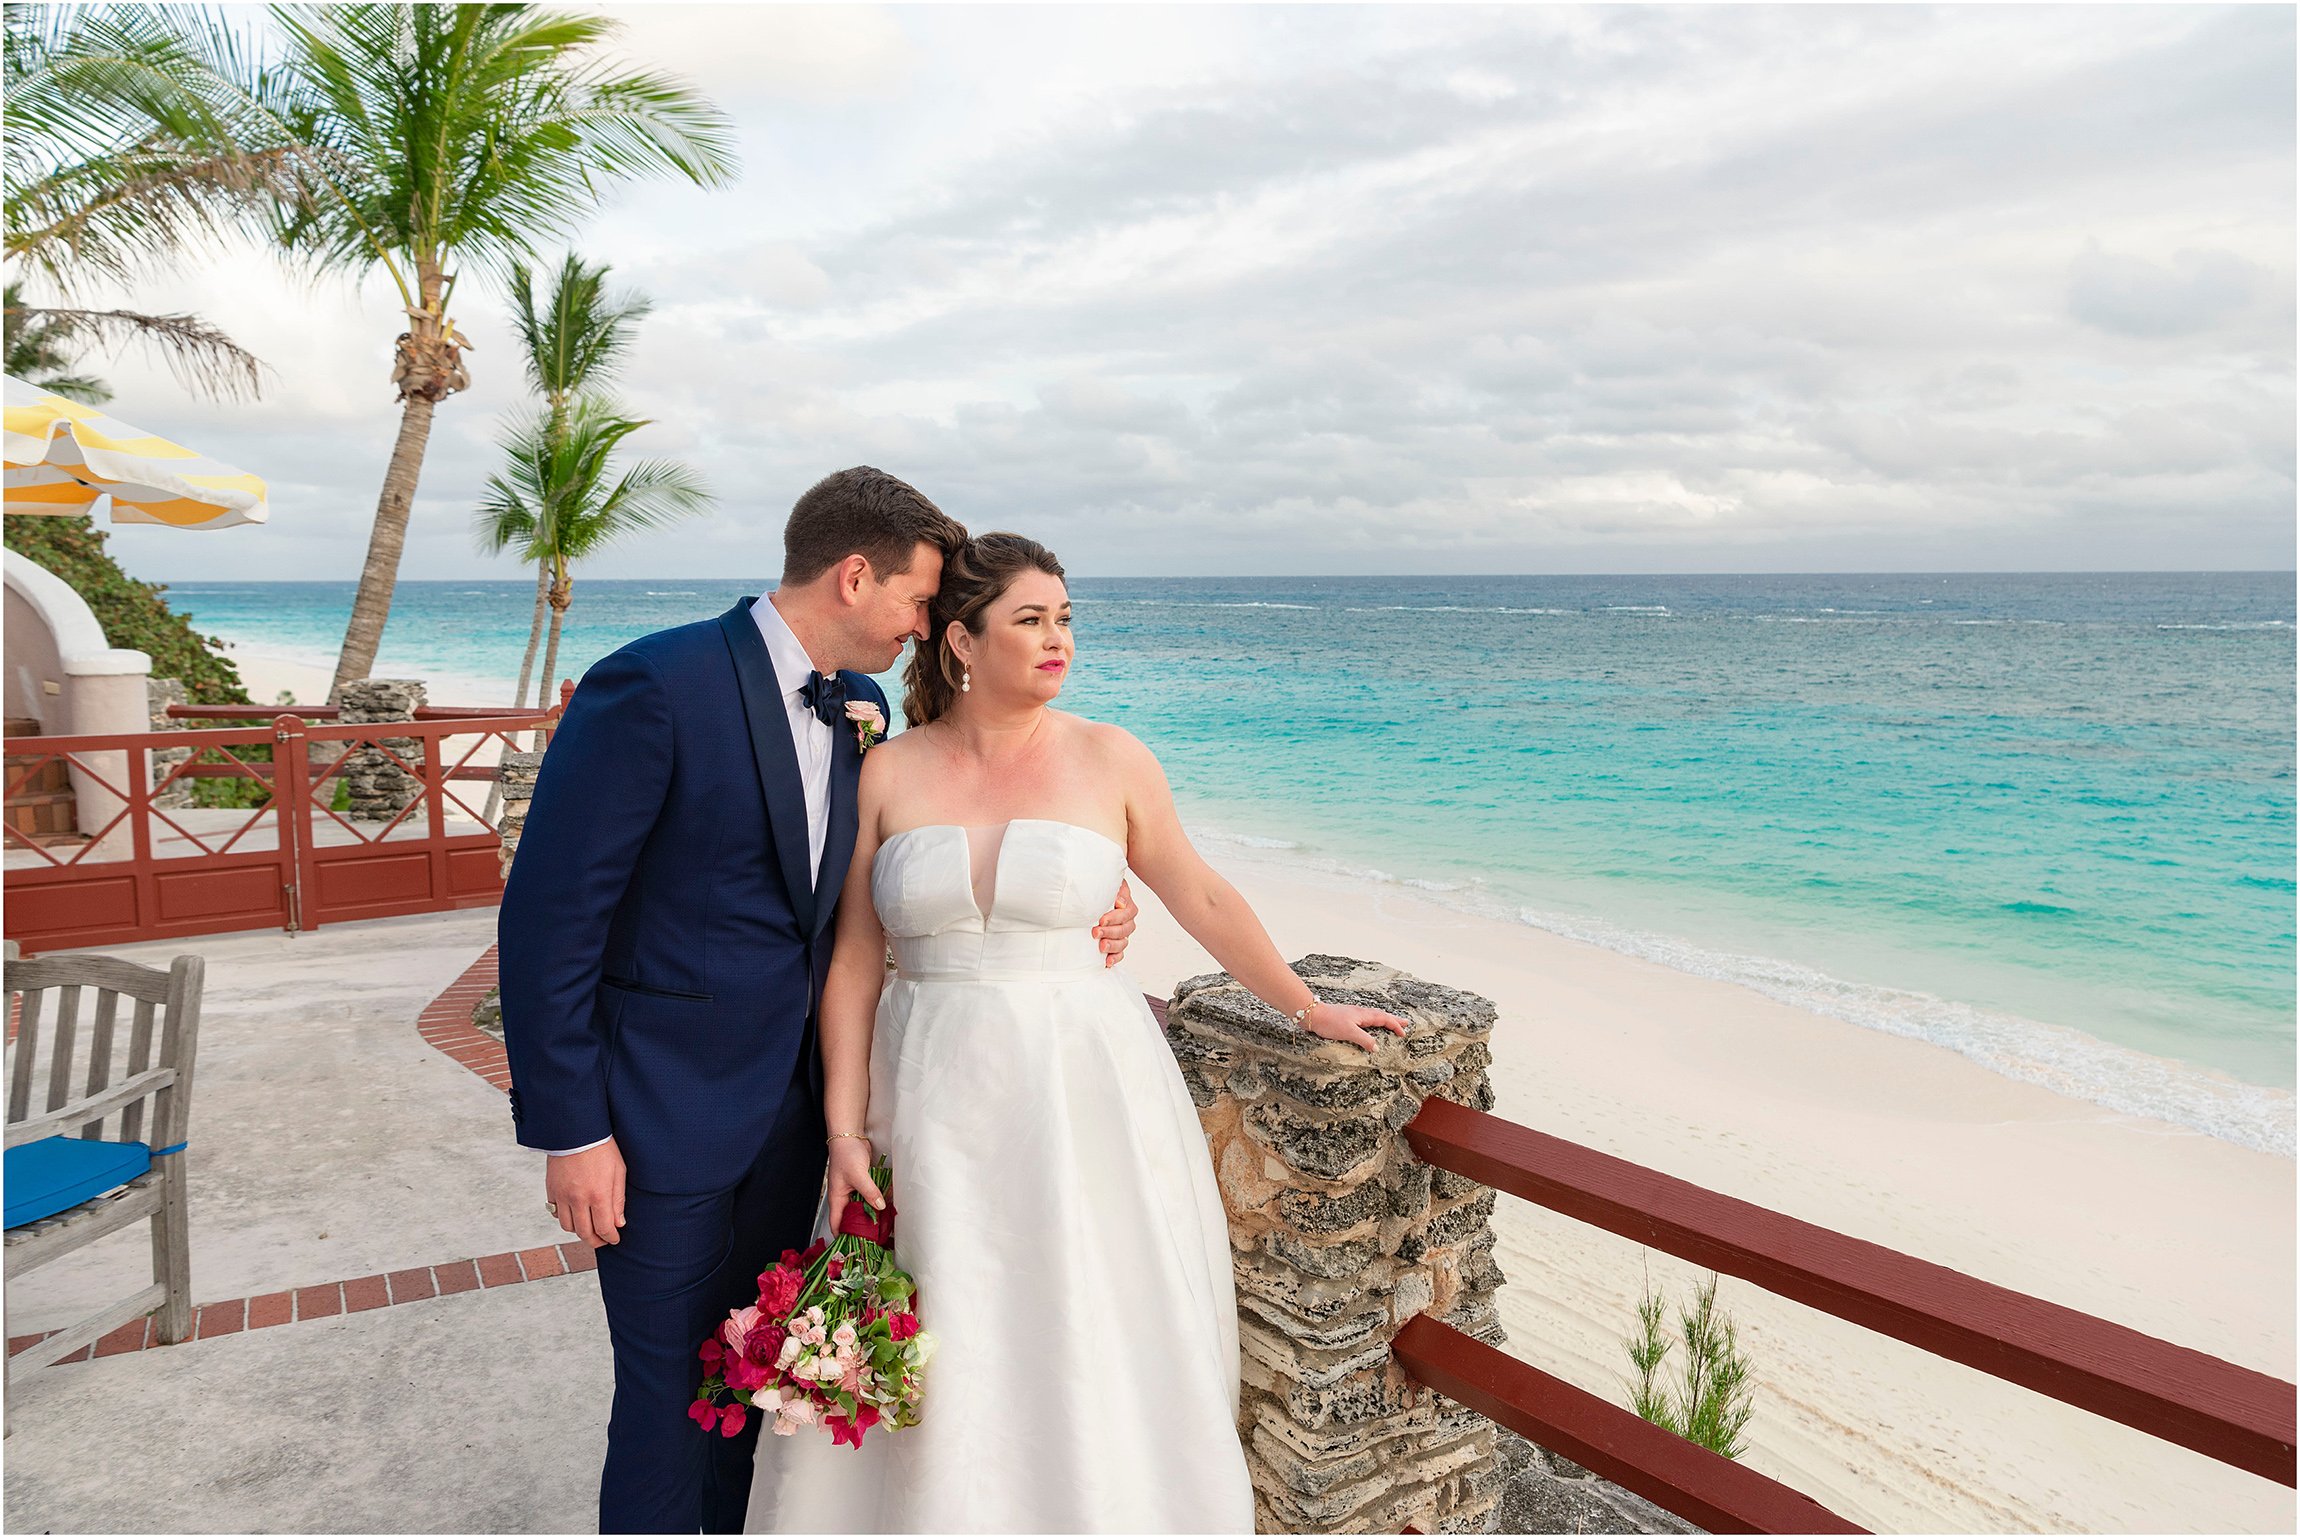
x=656 y=993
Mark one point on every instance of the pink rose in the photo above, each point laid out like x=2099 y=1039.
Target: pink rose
x=869 y=722
x=738 y=1327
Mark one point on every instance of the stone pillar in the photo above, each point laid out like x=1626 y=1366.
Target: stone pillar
x=1339 y=1235
x=517 y=771
x=379 y=788
x=163 y=692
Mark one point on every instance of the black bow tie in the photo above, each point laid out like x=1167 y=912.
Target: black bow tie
x=826 y=695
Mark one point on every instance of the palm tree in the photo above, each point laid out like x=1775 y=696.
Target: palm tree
x=571 y=342
x=558 y=499
x=123 y=148
x=440 y=136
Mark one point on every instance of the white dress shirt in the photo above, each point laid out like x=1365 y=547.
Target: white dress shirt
x=810 y=734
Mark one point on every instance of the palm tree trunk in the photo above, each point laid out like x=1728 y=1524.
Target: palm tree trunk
x=526 y=672
x=562 y=594
x=371 y=606
x=534 y=633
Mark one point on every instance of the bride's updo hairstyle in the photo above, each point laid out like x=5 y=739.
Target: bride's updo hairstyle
x=974 y=576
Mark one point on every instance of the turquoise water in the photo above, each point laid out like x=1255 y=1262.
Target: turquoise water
x=2046 y=820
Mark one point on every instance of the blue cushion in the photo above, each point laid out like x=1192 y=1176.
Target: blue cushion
x=58 y=1173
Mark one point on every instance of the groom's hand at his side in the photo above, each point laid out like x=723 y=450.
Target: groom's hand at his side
x=1117 y=927
x=586 y=1192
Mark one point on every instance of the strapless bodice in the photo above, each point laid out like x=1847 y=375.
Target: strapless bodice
x=1052 y=881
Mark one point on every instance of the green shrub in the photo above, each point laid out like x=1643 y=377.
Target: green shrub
x=1713 y=1397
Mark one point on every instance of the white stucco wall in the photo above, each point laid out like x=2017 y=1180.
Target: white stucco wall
x=52 y=637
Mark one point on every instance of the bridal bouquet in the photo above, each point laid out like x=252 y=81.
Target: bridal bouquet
x=832 y=1341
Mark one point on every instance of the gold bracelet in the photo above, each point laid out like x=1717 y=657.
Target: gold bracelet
x=859 y=1136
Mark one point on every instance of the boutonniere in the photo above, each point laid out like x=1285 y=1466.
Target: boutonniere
x=870 y=724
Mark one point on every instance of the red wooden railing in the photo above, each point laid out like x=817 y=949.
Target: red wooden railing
x=2217 y=1408
x=141 y=871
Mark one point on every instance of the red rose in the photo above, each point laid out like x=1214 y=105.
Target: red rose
x=833 y=1266
x=732 y=1421
x=813 y=1250
x=765 y=1344
x=791 y=1259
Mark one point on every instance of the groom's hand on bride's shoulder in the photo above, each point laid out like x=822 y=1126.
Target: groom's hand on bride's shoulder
x=1117 y=927
x=585 y=1191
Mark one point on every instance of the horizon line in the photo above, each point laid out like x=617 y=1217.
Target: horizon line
x=2031 y=571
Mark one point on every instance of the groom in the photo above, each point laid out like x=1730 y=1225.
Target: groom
x=665 y=932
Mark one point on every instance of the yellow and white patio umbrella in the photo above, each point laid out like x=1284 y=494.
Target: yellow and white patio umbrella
x=61 y=456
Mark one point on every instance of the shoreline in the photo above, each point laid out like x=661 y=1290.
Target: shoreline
x=1894 y=1140
x=2065 y=1060
x=266 y=675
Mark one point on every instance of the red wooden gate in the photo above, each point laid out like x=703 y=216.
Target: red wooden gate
x=140 y=870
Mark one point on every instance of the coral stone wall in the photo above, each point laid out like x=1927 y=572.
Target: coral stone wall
x=1339 y=1235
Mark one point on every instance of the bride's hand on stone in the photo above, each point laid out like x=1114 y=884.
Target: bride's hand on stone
x=1352 y=1023
x=850 y=1178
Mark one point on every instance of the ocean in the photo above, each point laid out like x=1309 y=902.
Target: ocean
x=2043 y=820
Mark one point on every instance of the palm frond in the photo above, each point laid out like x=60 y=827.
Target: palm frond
x=558 y=497
x=471 y=131
x=126 y=139
x=200 y=355
x=576 y=337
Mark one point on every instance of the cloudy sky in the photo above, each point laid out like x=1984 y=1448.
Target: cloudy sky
x=1312 y=289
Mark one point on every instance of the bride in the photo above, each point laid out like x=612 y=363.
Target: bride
x=1056 y=1202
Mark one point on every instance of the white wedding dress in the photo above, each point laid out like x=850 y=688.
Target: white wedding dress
x=1054 y=1200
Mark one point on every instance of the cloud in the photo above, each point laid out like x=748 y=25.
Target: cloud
x=2194 y=292
x=1301 y=290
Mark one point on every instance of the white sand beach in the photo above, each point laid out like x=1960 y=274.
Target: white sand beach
x=267 y=676
x=1895 y=1141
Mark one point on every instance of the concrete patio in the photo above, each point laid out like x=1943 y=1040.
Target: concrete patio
x=330 y=1144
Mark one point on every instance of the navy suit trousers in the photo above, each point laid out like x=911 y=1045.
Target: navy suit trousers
x=684 y=1260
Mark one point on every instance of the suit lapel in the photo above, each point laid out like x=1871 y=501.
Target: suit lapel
x=839 y=838
x=777 y=760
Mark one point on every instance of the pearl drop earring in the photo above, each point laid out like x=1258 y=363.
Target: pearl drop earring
x=965 y=681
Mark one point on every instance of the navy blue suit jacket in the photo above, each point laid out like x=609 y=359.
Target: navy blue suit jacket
x=661 y=947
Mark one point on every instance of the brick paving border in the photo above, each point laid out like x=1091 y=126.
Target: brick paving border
x=358 y=1295
x=446 y=1024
